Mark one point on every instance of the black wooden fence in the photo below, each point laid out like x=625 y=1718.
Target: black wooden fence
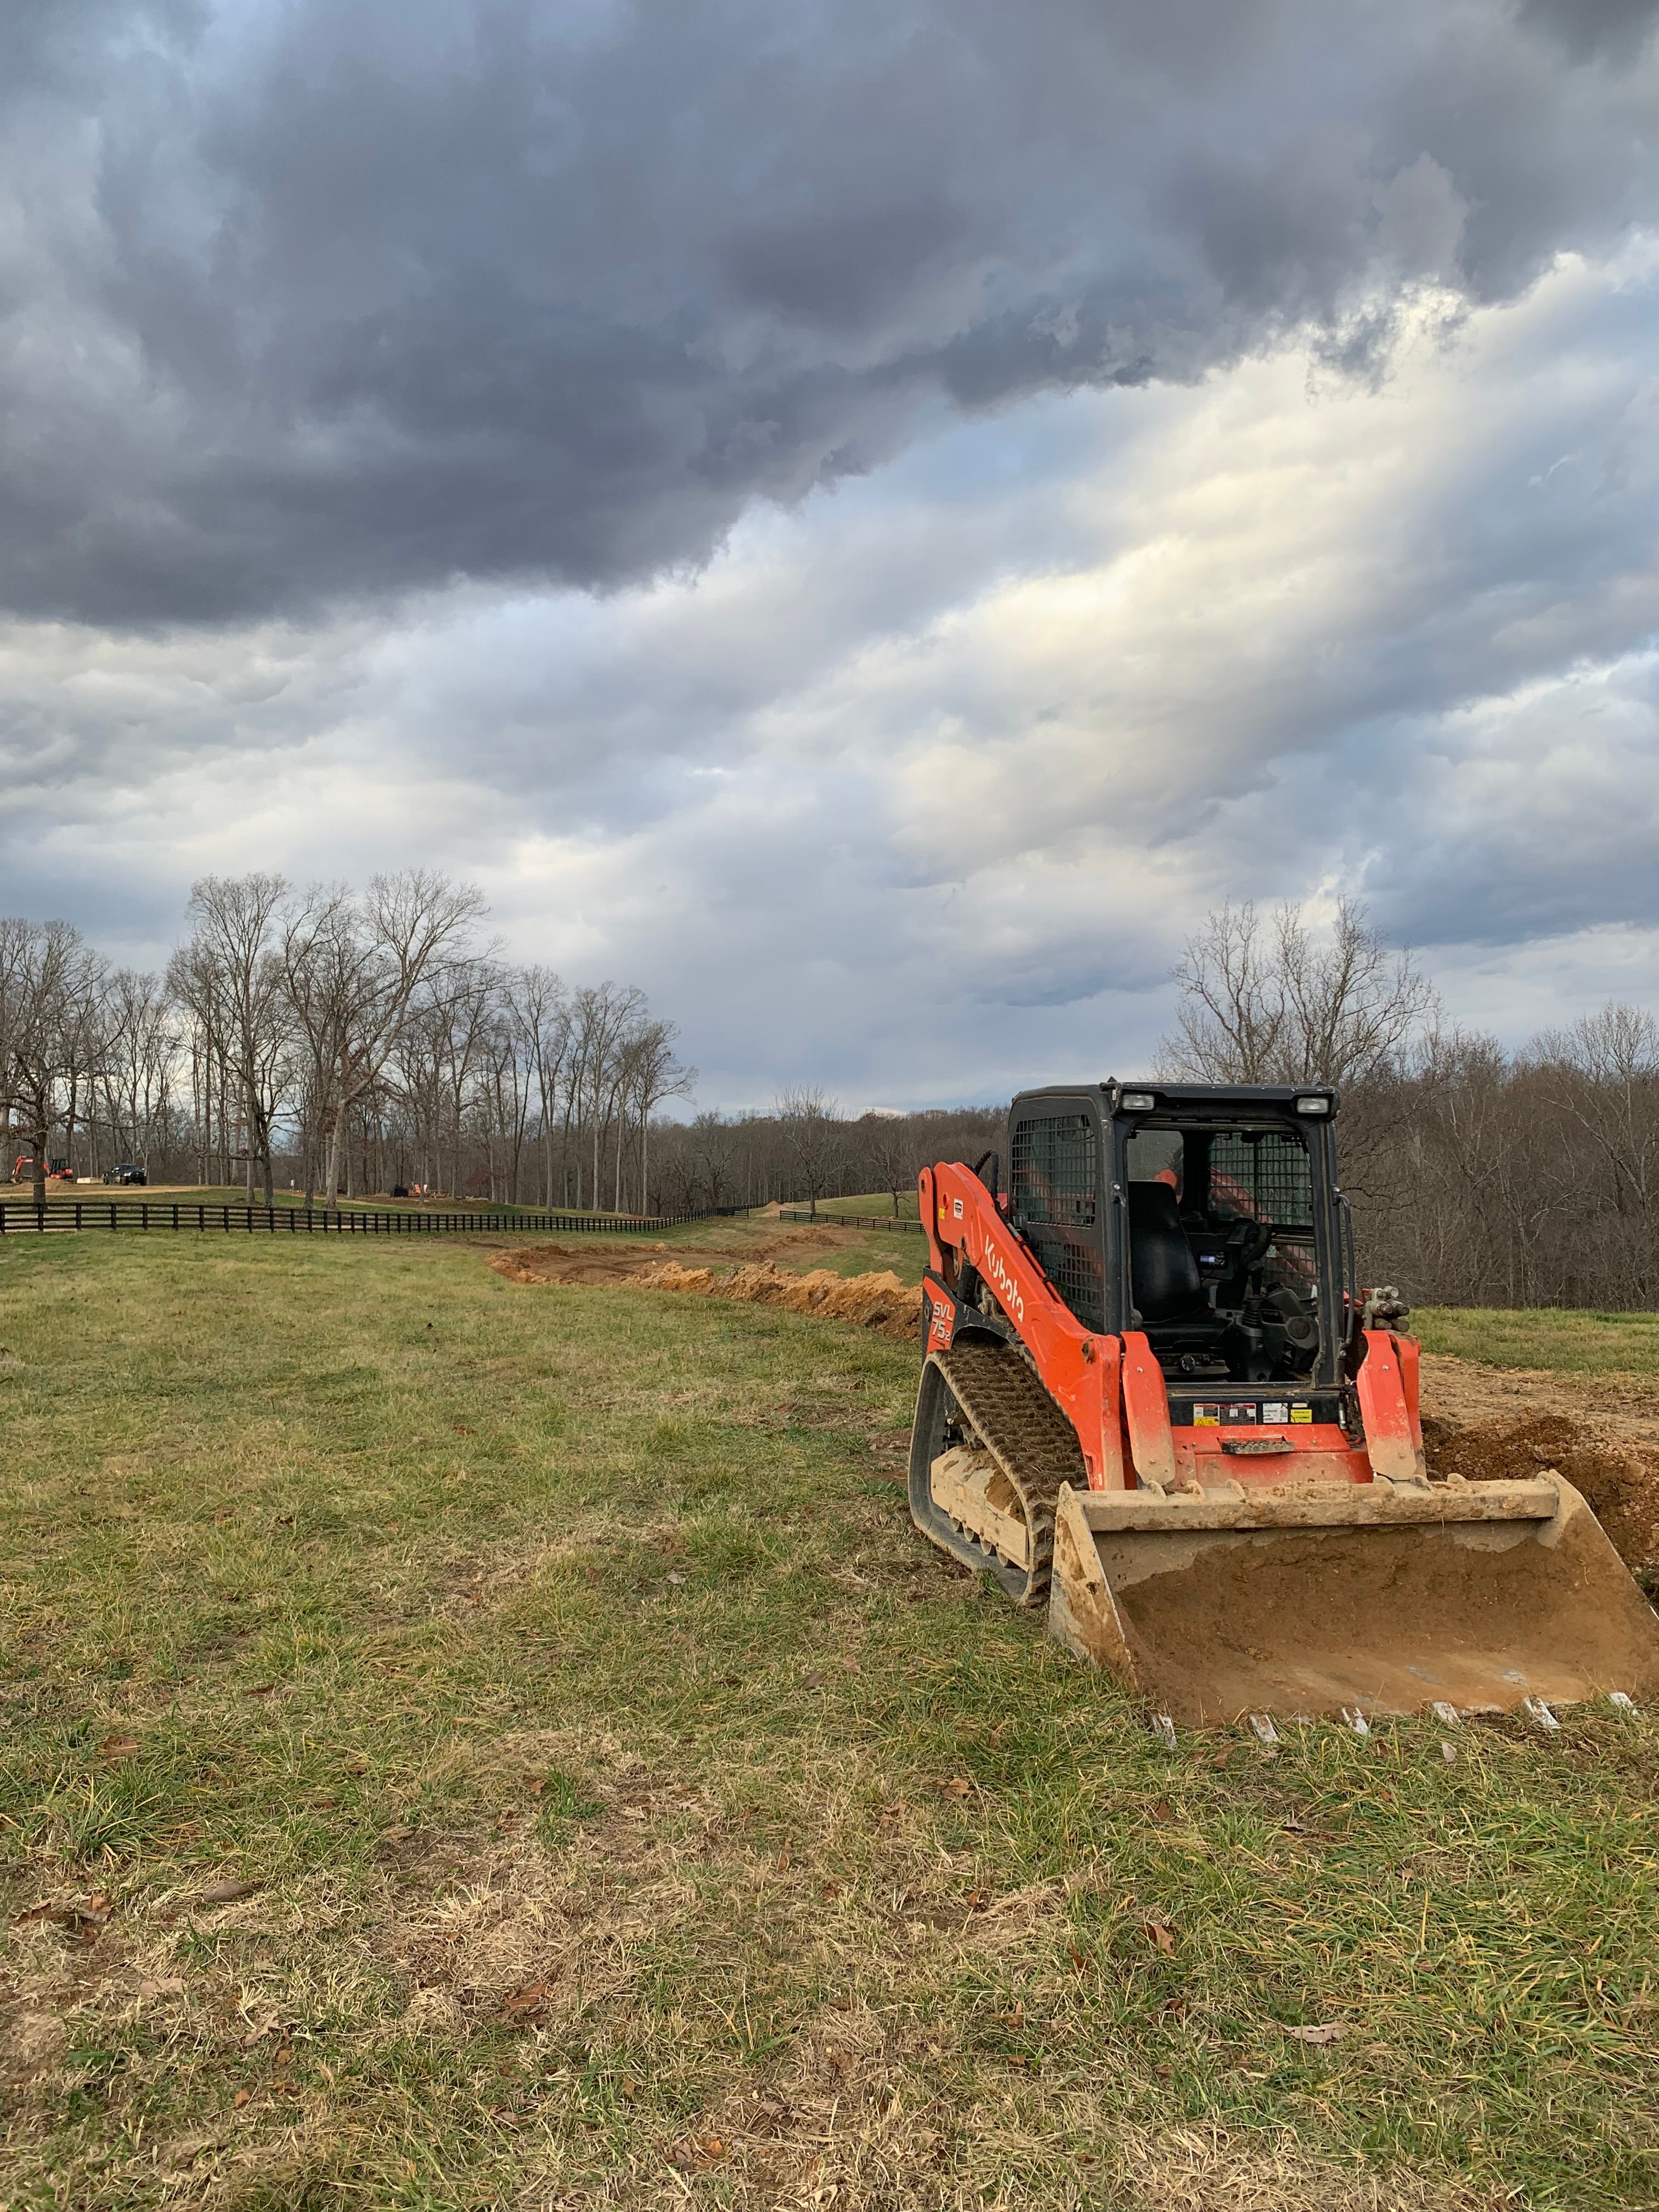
x=900 y=1222
x=64 y=1214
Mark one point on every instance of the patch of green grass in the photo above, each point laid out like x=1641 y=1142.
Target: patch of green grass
x=480 y=1744
x=1556 y=1337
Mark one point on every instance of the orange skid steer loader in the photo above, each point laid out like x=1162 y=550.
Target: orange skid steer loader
x=1154 y=1397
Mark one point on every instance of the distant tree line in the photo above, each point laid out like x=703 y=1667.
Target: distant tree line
x=1478 y=1175
x=355 y=1043
x=805 y=1148
x=342 y=1042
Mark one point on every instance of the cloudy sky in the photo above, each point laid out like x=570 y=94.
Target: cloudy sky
x=865 y=517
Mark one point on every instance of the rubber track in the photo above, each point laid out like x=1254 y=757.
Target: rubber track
x=1025 y=1432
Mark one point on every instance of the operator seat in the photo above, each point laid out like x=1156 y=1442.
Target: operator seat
x=1164 y=1278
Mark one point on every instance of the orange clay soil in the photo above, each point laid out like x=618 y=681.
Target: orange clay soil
x=1601 y=1433
x=878 y=1301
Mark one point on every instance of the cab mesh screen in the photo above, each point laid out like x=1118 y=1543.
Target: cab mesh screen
x=1261 y=1175
x=1055 y=1192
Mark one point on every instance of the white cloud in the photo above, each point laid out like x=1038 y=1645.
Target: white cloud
x=916 y=789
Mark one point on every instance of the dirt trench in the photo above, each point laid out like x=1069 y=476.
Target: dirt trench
x=879 y=1301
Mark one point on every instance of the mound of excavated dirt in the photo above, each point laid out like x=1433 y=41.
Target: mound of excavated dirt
x=1620 y=1480
x=880 y=1301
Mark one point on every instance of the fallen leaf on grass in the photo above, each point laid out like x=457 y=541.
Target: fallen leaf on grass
x=1329 y=2031
x=524 y=2007
x=1164 y=1937
x=262 y=1690
x=221 y=1892
x=118 y=1746
x=85 y=1913
x=958 y=1786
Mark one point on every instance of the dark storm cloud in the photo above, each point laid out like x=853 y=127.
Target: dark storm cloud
x=1584 y=27
x=324 y=300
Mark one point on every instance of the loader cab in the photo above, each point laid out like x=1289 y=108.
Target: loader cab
x=1207 y=1219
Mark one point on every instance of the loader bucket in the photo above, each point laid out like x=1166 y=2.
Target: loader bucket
x=1370 y=1597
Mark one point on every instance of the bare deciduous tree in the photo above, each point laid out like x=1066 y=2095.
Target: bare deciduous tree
x=540 y=1014
x=49 y=981
x=357 y=966
x=237 y=942
x=1285 y=1002
x=813 y=1129
x=652 y=1074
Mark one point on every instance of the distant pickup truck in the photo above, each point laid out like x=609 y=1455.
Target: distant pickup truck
x=126 y=1173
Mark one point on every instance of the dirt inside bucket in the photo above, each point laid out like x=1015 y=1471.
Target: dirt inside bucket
x=1385 y=1620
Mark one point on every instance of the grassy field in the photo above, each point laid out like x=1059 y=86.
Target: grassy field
x=472 y=1745
x=1555 y=1337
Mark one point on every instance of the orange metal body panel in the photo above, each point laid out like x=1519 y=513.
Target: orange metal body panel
x=1112 y=1388
x=1386 y=1383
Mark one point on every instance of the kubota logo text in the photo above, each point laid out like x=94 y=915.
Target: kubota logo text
x=996 y=1273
